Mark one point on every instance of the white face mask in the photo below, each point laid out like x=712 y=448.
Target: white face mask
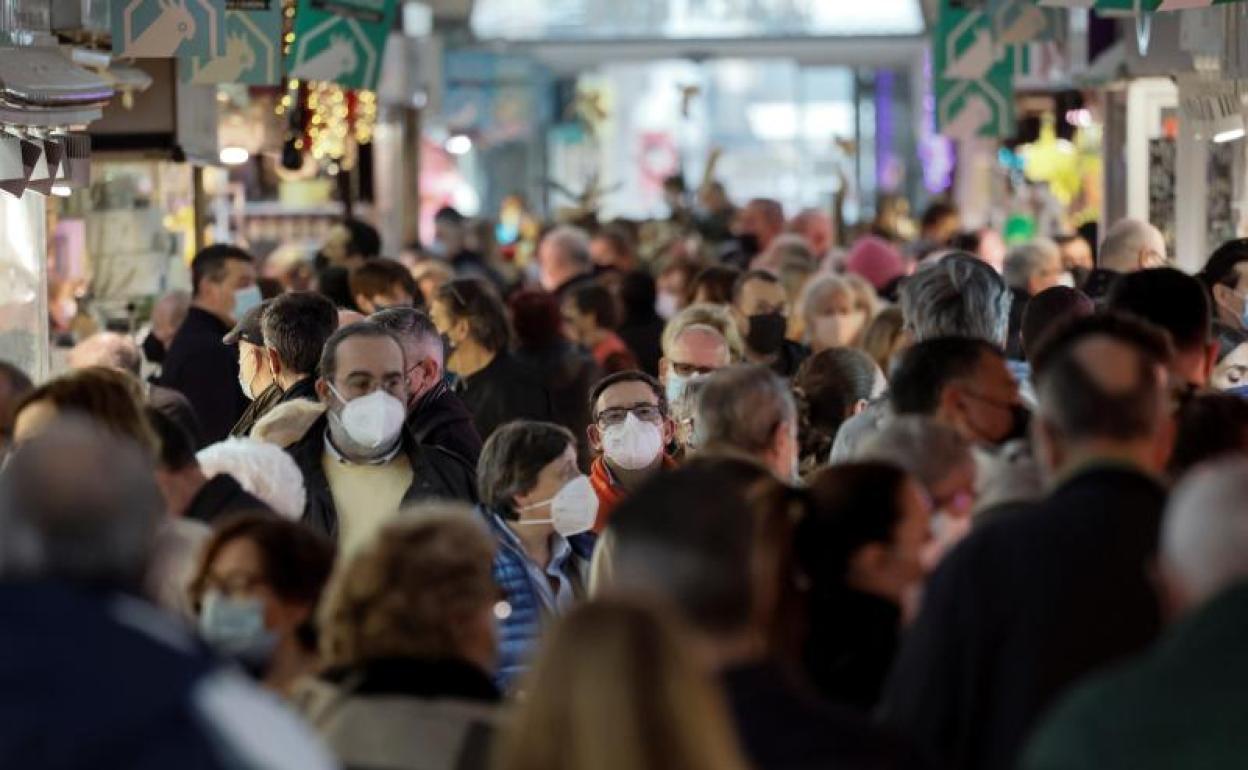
x=371 y=422
x=633 y=444
x=245 y=385
x=837 y=331
x=573 y=509
x=1066 y=279
x=666 y=305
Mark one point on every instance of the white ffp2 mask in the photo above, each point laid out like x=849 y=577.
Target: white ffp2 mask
x=573 y=509
x=372 y=421
x=633 y=444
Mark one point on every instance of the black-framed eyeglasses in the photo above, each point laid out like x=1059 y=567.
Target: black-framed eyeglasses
x=617 y=415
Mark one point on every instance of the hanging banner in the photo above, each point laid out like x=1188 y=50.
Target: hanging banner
x=973 y=75
x=340 y=41
x=159 y=29
x=253 y=47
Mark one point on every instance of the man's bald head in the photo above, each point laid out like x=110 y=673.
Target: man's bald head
x=62 y=523
x=1103 y=379
x=1132 y=245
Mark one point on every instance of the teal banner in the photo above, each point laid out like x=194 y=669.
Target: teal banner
x=253 y=47
x=973 y=75
x=158 y=29
x=341 y=41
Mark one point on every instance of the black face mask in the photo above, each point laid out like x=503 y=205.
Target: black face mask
x=153 y=349
x=766 y=333
x=748 y=242
x=1021 y=422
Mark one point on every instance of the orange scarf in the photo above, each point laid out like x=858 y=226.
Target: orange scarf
x=610 y=493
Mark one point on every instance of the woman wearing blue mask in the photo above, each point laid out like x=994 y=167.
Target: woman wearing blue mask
x=255 y=594
x=540 y=509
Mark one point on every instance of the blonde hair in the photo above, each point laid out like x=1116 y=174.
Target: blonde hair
x=408 y=592
x=860 y=294
x=702 y=314
x=617 y=688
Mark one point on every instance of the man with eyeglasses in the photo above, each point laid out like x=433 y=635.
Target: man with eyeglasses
x=360 y=465
x=630 y=433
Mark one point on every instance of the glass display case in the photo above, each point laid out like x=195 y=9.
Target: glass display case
x=24 y=284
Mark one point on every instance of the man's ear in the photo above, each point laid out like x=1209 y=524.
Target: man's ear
x=322 y=390
x=275 y=362
x=595 y=437
x=1223 y=296
x=1211 y=360
x=669 y=431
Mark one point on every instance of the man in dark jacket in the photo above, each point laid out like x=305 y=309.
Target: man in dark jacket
x=360 y=466
x=70 y=702
x=435 y=415
x=1038 y=598
x=255 y=377
x=199 y=364
x=1182 y=703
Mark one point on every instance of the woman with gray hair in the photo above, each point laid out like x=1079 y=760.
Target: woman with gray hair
x=539 y=508
x=942 y=461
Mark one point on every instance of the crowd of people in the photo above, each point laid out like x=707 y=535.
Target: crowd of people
x=747 y=501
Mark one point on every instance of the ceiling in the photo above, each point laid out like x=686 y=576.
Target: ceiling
x=547 y=21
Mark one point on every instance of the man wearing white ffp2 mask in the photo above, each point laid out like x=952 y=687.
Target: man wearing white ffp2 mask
x=359 y=466
x=630 y=433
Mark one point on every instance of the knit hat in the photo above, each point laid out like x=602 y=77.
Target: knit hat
x=876 y=260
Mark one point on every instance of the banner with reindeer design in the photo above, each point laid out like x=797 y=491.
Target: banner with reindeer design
x=340 y=41
x=159 y=29
x=252 y=53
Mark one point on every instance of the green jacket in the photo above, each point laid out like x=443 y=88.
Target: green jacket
x=1183 y=704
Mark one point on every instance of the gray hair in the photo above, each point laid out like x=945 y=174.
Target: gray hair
x=572 y=244
x=108 y=349
x=923 y=447
x=740 y=408
x=513 y=457
x=1124 y=242
x=1024 y=261
x=1204 y=538
x=959 y=296
x=709 y=318
x=415 y=329
x=60 y=522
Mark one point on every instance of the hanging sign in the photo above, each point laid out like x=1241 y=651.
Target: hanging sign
x=340 y=41
x=252 y=52
x=159 y=29
x=1018 y=22
x=973 y=75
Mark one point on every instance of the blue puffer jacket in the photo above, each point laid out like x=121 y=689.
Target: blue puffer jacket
x=531 y=605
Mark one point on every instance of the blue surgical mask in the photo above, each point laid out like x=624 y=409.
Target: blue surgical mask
x=235 y=628
x=675 y=387
x=246 y=299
